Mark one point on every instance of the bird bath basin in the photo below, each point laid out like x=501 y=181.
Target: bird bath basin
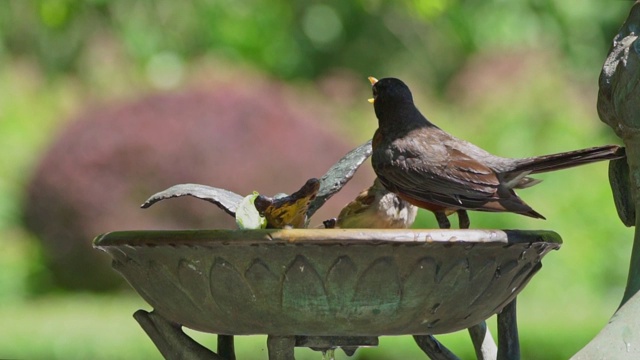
x=328 y=282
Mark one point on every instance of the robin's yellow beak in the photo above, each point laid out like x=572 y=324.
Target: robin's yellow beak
x=373 y=81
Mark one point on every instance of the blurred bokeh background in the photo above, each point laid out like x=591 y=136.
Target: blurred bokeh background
x=103 y=103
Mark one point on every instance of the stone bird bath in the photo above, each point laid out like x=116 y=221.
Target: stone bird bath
x=339 y=283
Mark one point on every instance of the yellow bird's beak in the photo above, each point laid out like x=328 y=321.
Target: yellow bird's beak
x=373 y=81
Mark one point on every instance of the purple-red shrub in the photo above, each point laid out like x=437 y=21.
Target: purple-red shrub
x=239 y=136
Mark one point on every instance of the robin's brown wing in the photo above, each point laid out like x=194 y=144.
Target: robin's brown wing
x=457 y=180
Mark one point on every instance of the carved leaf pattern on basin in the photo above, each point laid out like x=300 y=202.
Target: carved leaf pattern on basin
x=378 y=290
x=229 y=289
x=345 y=291
x=355 y=291
x=339 y=284
x=265 y=285
x=303 y=289
x=191 y=277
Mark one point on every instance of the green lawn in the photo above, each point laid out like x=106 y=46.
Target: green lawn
x=85 y=326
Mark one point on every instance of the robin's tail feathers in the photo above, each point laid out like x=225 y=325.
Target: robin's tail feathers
x=540 y=164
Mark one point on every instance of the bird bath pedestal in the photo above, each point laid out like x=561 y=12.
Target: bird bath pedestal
x=323 y=288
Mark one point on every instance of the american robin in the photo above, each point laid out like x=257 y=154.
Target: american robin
x=376 y=208
x=434 y=170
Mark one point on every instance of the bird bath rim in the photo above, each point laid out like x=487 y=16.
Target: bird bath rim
x=237 y=237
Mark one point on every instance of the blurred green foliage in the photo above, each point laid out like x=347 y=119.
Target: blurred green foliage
x=305 y=39
x=58 y=54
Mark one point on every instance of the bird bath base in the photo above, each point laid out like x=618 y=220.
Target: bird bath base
x=322 y=288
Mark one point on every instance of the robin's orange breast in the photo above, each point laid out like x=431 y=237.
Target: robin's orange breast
x=427 y=206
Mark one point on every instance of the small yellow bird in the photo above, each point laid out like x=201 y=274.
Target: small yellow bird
x=377 y=208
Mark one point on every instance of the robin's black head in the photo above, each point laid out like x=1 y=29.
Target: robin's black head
x=393 y=103
x=390 y=91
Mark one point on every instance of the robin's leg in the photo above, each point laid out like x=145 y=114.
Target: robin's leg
x=443 y=222
x=463 y=219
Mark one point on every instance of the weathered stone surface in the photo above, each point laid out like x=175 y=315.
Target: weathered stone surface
x=329 y=282
x=619 y=107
